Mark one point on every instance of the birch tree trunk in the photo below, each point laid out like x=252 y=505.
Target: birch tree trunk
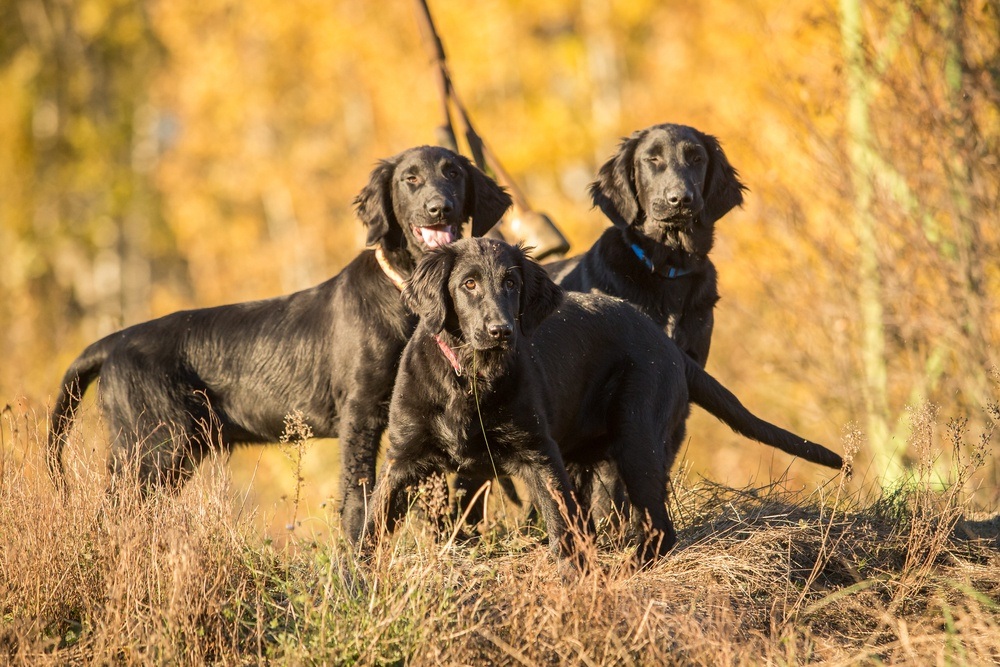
x=860 y=151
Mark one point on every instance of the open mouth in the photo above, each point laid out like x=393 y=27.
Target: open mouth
x=436 y=236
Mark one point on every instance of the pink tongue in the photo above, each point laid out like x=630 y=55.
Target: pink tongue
x=436 y=237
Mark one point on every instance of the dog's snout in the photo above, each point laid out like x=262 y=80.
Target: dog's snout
x=439 y=207
x=500 y=332
x=680 y=198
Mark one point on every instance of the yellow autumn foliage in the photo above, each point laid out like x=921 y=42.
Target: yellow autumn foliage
x=162 y=155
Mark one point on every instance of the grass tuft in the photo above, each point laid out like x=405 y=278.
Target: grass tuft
x=763 y=574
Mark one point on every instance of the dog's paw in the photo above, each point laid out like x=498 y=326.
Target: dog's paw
x=570 y=570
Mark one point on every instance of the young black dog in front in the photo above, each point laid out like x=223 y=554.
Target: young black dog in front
x=173 y=387
x=499 y=377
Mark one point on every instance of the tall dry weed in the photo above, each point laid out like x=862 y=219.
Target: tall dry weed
x=839 y=574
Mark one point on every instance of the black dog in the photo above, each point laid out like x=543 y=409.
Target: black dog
x=499 y=378
x=664 y=190
x=174 y=386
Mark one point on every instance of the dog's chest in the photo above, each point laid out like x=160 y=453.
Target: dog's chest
x=477 y=433
x=667 y=303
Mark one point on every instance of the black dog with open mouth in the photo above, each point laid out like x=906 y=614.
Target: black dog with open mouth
x=420 y=199
x=174 y=387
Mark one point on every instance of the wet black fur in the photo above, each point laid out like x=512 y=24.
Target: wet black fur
x=174 y=387
x=574 y=383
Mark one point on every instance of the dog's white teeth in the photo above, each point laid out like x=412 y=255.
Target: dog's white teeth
x=437 y=236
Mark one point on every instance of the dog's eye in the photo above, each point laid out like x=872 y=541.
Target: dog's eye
x=451 y=174
x=411 y=178
x=652 y=159
x=510 y=284
x=469 y=284
x=697 y=158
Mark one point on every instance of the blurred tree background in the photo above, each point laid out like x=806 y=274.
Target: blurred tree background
x=161 y=155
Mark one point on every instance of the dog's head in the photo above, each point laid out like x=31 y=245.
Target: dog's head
x=670 y=183
x=483 y=292
x=420 y=199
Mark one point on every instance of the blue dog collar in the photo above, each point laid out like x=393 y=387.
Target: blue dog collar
x=672 y=272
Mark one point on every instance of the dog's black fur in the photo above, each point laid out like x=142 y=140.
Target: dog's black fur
x=664 y=190
x=499 y=377
x=173 y=387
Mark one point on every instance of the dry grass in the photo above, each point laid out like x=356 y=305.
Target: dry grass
x=761 y=576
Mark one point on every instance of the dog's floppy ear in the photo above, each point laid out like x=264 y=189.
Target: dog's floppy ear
x=540 y=295
x=723 y=190
x=374 y=205
x=426 y=292
x=613 y=191
x=485 y=200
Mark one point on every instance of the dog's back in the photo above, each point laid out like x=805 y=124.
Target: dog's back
x=240 y=368
x=609 y=354
x=599 y=351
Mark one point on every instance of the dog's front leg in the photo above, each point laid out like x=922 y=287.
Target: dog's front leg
x=363 y=419
x=547 y=480
x=383 y=511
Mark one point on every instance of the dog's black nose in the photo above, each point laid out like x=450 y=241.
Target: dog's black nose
x=680 y=198
x=500 y=331
x=439 y=207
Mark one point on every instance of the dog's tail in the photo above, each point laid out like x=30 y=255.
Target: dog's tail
x=709 y=393
x=81 y=373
